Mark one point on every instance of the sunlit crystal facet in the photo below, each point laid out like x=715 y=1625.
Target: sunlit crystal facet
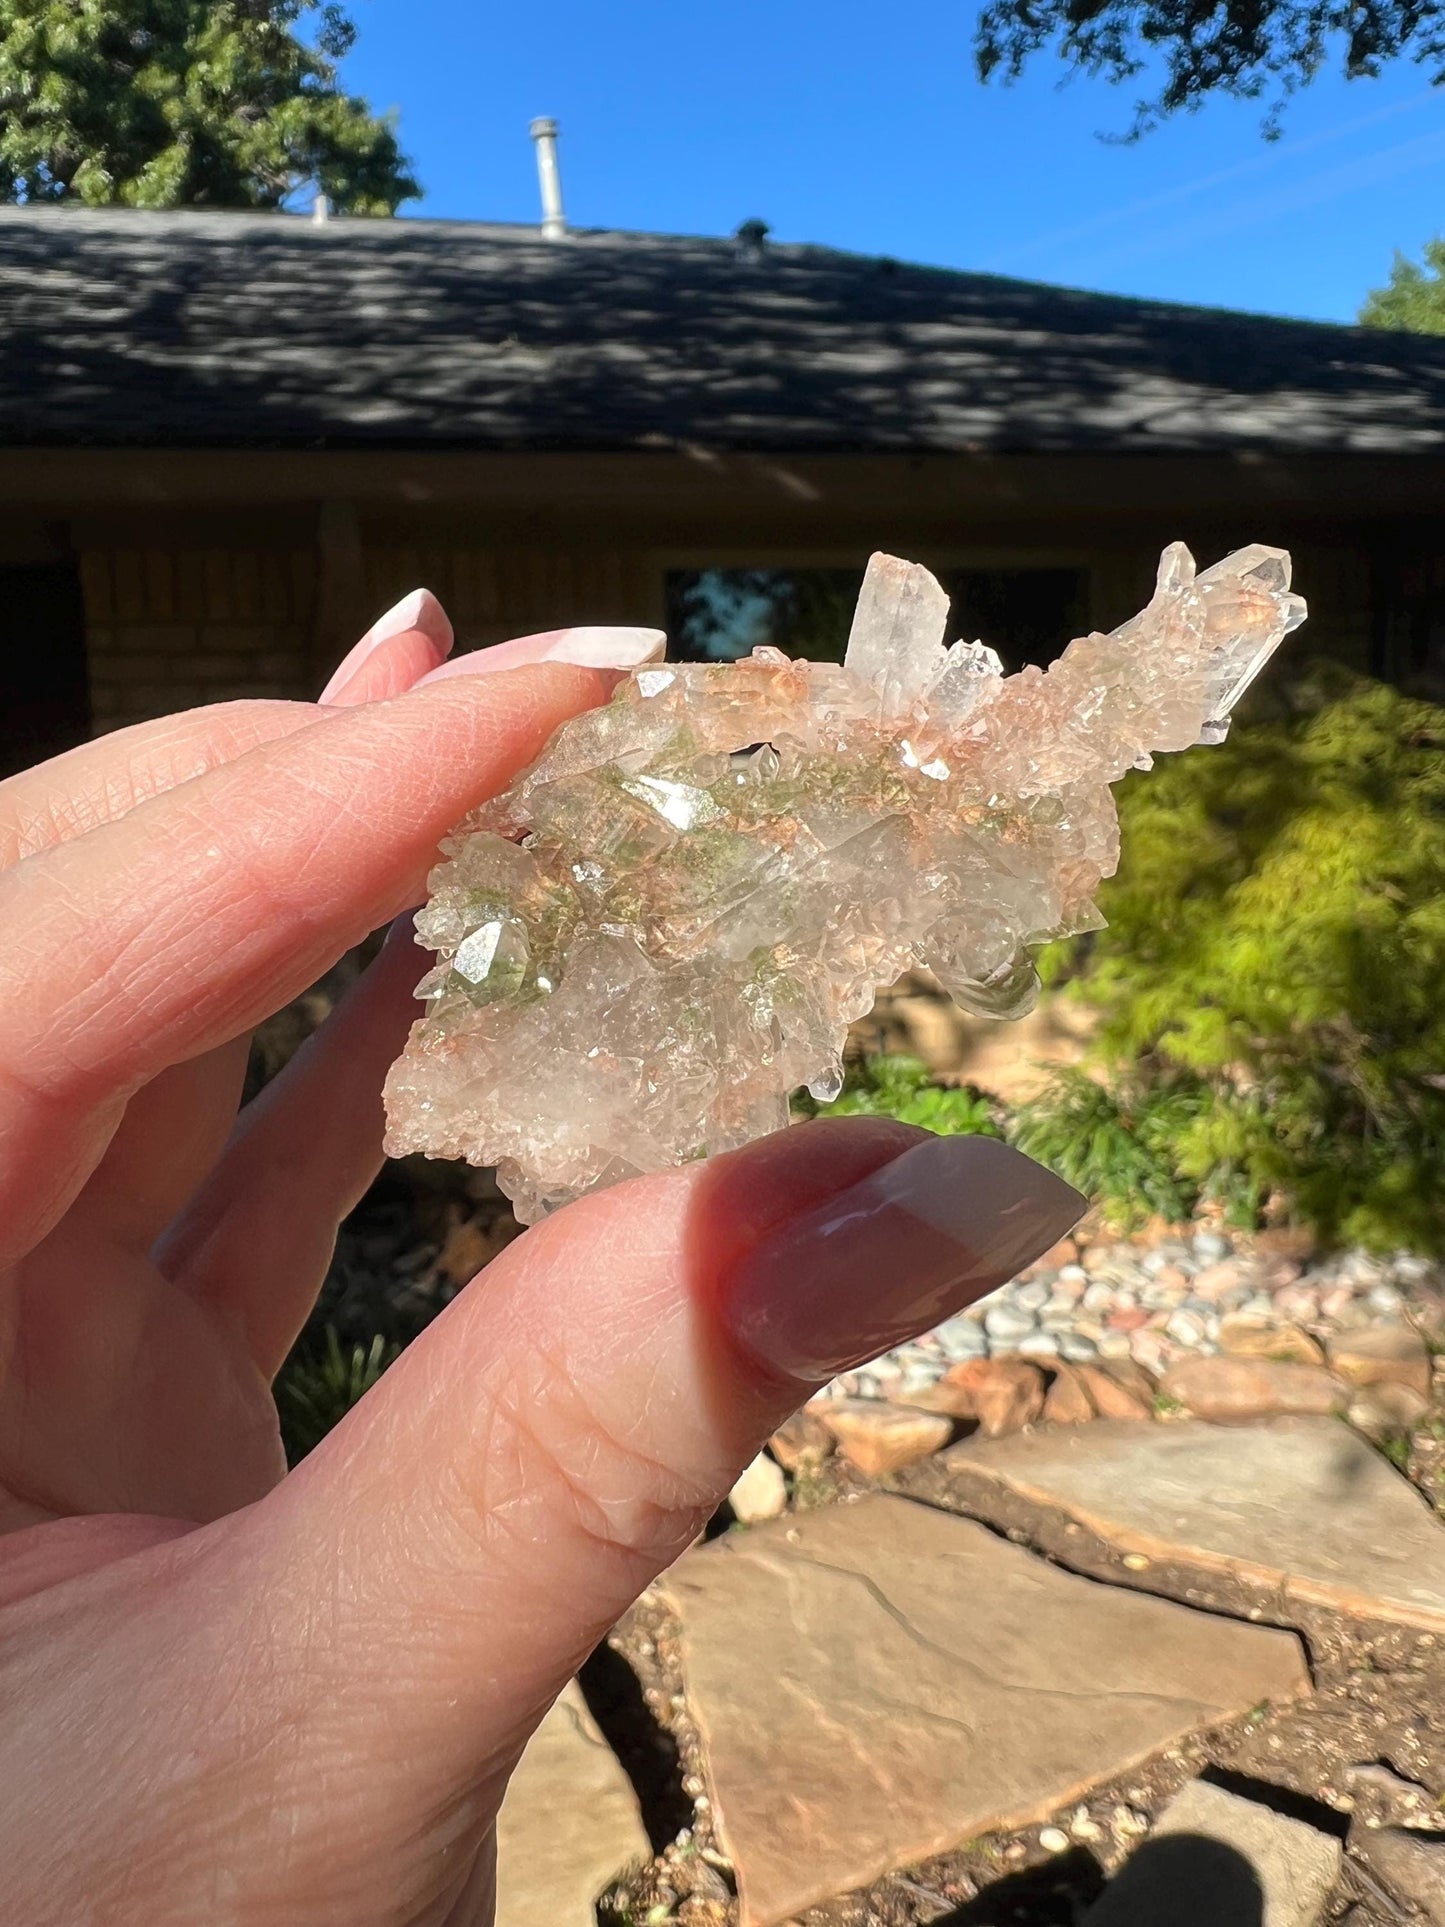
x=667 y=924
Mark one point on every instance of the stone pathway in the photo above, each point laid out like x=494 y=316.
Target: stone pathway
x=1216 y=1860
x=1302 y=1506
x=569 y=1824
x=877 y=1681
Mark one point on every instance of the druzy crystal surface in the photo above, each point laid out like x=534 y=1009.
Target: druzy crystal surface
x=667 y=924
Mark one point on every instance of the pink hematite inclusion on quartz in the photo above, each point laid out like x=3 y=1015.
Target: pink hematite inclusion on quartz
x=667 y=924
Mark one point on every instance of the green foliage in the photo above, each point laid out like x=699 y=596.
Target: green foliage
x=1277 y=933
x=903 y=1087
x=317 y=1388
x=176 y=103
x=1414 y=296
x=1249 y=49
x=1137 y=1148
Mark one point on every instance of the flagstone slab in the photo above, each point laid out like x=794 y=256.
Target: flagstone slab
x=569 y=1824
x=879 y=1681
x=1302 y=1505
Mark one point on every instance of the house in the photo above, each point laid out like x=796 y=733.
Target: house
x=228 y=440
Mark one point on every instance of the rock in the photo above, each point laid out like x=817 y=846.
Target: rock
x=875 y=1683
x=1065 y=1252
x=962 y=1338
x=1245 y=1337
x=1385 y=1298
x=1299 y=1304
x=1410 y=1862
x=1097 y=1297
x=1382 y=1355
x=1032 y=1296
x=1038 y=1345
x=1127 y=1318
x=1114 y=1345
x=1296 y=1241
x=1077 y=1347
x=1217 y=1860
x=1303 y=1507
x=1230 y=1390
x=802 y=1441
x=1186 y=1327
x=878 y=1437
x=1002 y=1394
x=1209 y=1247
x=1385 y=1411
x=1005 y=1324
x=1218 y=1280
x=1115 y=1395
x=569 y=1823
x=1067 y=1401
x=760 y=1493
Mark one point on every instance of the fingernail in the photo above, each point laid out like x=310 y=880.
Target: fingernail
x=419 y=610
x=588 y=648
x=944 y=1224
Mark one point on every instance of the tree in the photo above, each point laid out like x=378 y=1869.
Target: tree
x=1246 y=48
x=186 y=103
x=1413 y=297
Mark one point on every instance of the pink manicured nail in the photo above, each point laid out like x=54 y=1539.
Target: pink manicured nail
x=420 y=610
x=589 y=648
x=945 y=1224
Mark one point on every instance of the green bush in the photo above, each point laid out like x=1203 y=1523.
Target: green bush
x=1134 y=1147
x=317 y=1387
x=1277 y=935
x=903 y=1087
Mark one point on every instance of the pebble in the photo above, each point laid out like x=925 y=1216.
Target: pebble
x=1036 y=1344
x=1053 y=1840
x=1153 y=1307
x=1003 y=1322
x=1076 y=1348
x=1187 y=1327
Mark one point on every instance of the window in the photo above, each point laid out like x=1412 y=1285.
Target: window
x=717 y=615
x=42 y=661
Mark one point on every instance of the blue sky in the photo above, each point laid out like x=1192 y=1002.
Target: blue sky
x=863 y=127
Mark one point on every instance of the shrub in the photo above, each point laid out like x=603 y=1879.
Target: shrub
x=1277 y=935
x=1134 y=1148
x=904 y=1087
x=317 y=1387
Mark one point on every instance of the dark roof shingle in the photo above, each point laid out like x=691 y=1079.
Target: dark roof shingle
x=233 y=330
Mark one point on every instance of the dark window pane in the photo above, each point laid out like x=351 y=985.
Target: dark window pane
x=717 y=615
x=45 y=704
x=1028 y=615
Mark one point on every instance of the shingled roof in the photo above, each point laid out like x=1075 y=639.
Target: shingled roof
x=235 y=330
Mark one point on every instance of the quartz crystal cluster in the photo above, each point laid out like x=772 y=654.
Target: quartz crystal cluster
x=667 y=924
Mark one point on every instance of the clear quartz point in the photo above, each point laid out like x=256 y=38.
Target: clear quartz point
x=667 y=924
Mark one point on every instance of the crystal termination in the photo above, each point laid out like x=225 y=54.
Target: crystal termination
x=667 y=924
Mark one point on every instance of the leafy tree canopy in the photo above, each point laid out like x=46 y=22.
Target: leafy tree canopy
x=184 y=103
x=1251 y=49
x=1413 y=297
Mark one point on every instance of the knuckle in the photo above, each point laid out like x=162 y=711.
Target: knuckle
x=558 y=1466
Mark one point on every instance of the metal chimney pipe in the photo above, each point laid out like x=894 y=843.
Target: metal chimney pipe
x=554 y=224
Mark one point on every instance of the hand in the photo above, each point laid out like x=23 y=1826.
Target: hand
x=233 y=1695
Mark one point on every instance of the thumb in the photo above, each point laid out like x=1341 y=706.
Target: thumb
x=562 y=1431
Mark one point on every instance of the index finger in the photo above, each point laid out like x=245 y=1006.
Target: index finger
x=202 y=910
